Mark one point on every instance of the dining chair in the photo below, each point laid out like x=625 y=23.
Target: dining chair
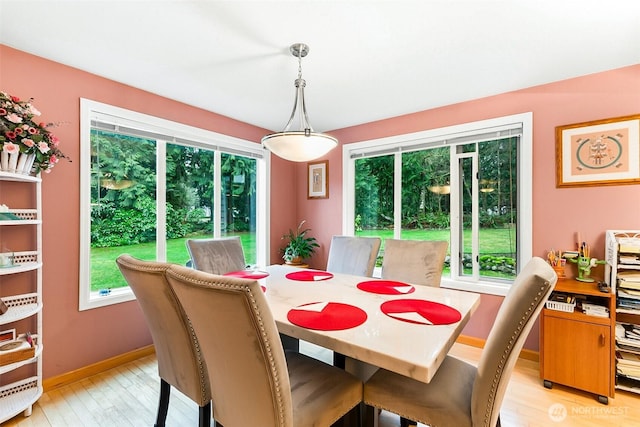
x=461 y=394
x=216 y=256
x=353 y=255
x=419 y=262
x=180 y=362
x=255 y=383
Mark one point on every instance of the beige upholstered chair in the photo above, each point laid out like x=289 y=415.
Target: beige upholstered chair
x=217 y=256
x=353 y=255
x=252 y=383
x=460 y=394
x=180 y=363
x=419 y=262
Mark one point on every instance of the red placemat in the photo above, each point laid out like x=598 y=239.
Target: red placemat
x=421 y=312
x=327 y=316
x=248 y=274
x=388 y=287
x=309 y=276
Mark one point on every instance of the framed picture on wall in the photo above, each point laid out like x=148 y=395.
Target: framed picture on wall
x=601 y=152
x=318 y=180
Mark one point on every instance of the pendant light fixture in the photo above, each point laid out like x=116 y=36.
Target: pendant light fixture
x=304 y=144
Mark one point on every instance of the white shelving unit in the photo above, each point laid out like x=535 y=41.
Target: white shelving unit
x=623 y=256
x=24 y=385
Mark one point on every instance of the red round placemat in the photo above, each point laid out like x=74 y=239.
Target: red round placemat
x=309 y=275
x=387 y=287
x=327 y=316
x=420 y=312
x=248 y=274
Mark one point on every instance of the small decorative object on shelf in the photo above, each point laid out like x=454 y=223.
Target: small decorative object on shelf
x=6 y=259
x=584 y=261
x=28 y=147
x=557 y=262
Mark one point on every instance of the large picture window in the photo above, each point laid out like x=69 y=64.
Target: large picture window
x=148 y=185
x=468 y=184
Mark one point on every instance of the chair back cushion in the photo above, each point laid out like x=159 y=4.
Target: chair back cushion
x=419 y=262
x=353 y=255
x=514 y=320
x=217 y=256
x=179 y=361
x=241 y=346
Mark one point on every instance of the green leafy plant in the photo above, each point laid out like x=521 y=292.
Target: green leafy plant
x=299 y=246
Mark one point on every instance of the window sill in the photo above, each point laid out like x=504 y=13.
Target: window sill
x=489 y=288
x=116 y=296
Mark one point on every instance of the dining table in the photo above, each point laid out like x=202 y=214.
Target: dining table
x=411 y=337
x=374 y=323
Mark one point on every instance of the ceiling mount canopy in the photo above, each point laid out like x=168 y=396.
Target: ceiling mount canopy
x=304 y=144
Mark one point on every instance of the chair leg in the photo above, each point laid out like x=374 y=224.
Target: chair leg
x=205 y=416
x=163 y=405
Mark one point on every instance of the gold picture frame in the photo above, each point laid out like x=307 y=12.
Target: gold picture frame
x=600 y=152
x=318 y=180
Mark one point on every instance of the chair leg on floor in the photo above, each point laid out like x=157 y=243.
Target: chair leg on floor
x=163 y=405
x=205 y=416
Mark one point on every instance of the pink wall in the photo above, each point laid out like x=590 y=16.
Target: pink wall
x=557 y=213
x=75 y=339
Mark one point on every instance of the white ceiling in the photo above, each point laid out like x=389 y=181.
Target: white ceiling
x=368 y=60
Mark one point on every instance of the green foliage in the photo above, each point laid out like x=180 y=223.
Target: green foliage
x=299 y=244
x=502 y=266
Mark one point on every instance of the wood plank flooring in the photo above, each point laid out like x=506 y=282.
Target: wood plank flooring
x=128 y=396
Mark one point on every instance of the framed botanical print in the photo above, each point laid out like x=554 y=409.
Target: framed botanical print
x=318 y=180
x=601 y=152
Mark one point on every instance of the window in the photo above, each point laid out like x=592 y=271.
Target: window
x=148 y=184
x=468 y=184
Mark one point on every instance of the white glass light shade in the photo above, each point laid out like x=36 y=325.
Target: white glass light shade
x=297 y=146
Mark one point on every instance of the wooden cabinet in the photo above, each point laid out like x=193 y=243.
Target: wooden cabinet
x=21 y=294
x=576 y=349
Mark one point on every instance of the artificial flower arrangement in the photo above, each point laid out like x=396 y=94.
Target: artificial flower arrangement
x=20 y=133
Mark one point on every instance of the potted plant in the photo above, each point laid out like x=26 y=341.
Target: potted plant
x=300 y=245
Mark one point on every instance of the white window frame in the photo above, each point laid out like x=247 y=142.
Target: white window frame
x=395 y=144
x=92 y=110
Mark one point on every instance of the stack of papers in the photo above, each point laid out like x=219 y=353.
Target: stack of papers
x=629 y=259
x=628 y=364
x=595 y=310
x=629 y=280
x=628 y=336
x=629 y=245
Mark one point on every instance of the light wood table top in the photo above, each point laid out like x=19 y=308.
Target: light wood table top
x=414 y=350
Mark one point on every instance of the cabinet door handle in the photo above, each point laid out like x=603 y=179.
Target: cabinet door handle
x=602 y=339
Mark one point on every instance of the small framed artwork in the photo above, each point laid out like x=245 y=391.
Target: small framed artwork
x=318 y=180
x=601 y=152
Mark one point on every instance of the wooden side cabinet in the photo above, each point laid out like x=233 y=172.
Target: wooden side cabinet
x=576 y=349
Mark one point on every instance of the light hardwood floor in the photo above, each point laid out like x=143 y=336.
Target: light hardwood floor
x=128 y=396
